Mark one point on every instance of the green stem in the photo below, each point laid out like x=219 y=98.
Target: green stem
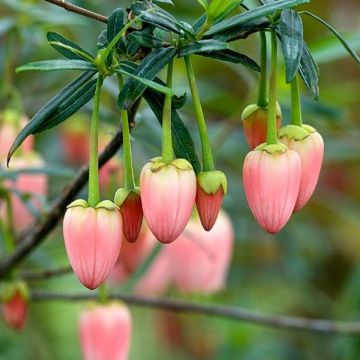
x=103 y=294
x=208 y=162
x=7 y=224
x=271 y=136
x=94 y=191
x=296 y=117
x=167 y=149
x=127 y=157
x=262 y=96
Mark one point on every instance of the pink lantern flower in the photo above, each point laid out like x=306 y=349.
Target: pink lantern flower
x=309 y=145
x=105 y=332
x=254 y=119
x=15 y=304
x=211 y=188
x=168 y=195
x=132 y=255
x=271 y=176
x=93 y=239
x=129 y=203
x=200 y=259
x=31 y=186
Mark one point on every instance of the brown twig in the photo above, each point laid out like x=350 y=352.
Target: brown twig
x=45 y=274
x=37 y=233
x=229 y=312
x=78 y=10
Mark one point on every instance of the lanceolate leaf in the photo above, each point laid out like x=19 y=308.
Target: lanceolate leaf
x=203 y=3
x=233 y=57
x=146 y=40
x=309 y=72
x=253 y=14
x=202 y=46
x=339 y=36
x=48 y=109
x=69 y=107
x=291 y=34
x=148 y=69
x=219 y=9
x=183 y=143
x=53 y=65
x=115 y=23
x=66 y=47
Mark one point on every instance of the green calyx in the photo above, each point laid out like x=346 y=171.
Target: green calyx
x=106 y=204
x=122 y=194
x=10 y=117
x=309 y=128
x=181 y=164
x=251 y=109
x=272 y=148
x=9 y=289
x=294 y=132
x=211 y=181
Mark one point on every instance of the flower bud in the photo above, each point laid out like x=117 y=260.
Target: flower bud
x=15 y=298
x=129 y=203
x=271 y=176
x=31 y=186
x=168 y=195
x=200 y=259
x=211 y=188
x=105 y=332
x=93 y=240
x=309 y=145
x=254 y=119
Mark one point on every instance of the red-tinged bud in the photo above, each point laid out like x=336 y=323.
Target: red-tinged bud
x=200 y=259
x=30 y=185
x=211 y=188
x=93 y=239
x=15 y=297
x=309 y=145
x=105 y=332
x=129 y=203
x=271 y=176
x=254 y=119
x=168 y=193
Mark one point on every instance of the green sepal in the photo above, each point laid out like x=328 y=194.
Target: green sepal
x=122 y=194
x=107 y=205
x=309 y=128
x=210 y=181
x=80 y=202
x=293 y=132
x=10 y=116
x=251 y=109
x=278 y=148
x=181 y=164
x=9 y=289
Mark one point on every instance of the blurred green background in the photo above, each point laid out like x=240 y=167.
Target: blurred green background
x=310 y=269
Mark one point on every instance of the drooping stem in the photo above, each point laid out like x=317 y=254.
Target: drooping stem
x=262 y=96
x=103 y=294
x=127 y=157
x=167 y=149
x=296 y=117
x=94 y=190
x=208 y=162
x=271 y=136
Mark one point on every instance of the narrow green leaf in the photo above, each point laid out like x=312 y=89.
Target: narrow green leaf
x=253 y=14
x=54 y=65
x=115 y=23
x=164 y=1
x=66 y=47
x=148 y=69
x=50 y=107
x=151 y=84
x=203 y=3
x=339 y=36
x=291 y=34
x=220 y=9
x=233 y=57
x=146 y=40
x=309 y=72
x=183 y=143
x=202 y=46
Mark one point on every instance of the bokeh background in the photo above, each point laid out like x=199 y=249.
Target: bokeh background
x=310 y=269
